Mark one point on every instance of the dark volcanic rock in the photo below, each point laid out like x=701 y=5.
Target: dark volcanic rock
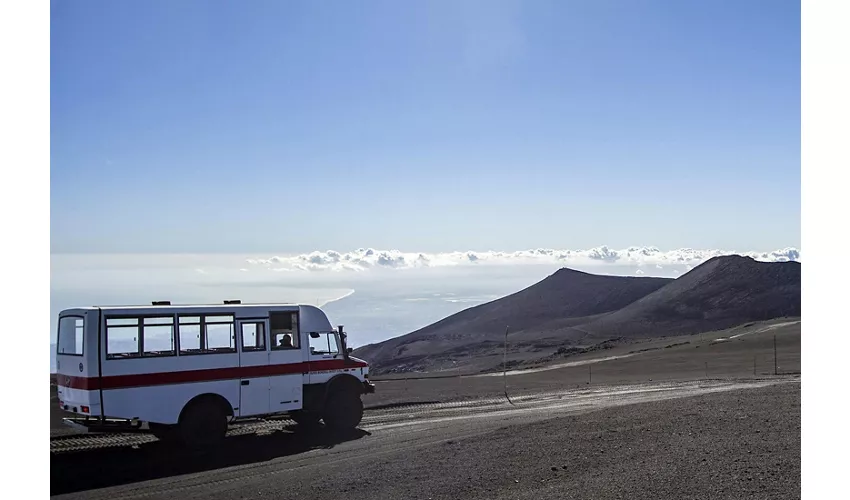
x=571 y=306
x=720 y=293
x=548 y=305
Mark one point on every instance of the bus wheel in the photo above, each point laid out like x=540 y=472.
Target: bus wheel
x=202 y=424
x=343 y=410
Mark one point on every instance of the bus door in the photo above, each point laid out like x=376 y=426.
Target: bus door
x=286 y=362
x=77 y=362
x=253 y=365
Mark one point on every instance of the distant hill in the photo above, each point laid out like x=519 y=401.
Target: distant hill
x=572 y=307
x=546 y=306
x=720 y=293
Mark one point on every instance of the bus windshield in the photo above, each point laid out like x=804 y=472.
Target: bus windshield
x=324 y=343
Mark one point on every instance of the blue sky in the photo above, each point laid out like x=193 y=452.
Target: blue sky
x=209 y=126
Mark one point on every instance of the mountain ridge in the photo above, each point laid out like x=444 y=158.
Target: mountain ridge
x=571 y=306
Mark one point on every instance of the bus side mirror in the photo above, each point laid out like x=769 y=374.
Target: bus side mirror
x=350 y=350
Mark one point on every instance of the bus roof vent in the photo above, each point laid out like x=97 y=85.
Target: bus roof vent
x=161 y=303
x=237 y=301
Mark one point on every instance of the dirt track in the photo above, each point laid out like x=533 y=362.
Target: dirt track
x=595 y=438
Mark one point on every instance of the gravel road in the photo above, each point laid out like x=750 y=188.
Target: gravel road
x=709 y=439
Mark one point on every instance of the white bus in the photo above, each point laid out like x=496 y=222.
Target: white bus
x=184 y=372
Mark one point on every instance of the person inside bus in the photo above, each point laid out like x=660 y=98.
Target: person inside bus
x=286 y=342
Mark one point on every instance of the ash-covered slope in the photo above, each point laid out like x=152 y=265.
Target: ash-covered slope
x=567 y=294
x=720 y=293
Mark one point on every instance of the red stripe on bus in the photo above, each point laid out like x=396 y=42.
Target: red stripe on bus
x=205 y=375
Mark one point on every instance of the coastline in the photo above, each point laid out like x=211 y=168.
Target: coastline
x=347 y=294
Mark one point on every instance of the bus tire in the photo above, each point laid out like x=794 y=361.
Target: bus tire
x=343 y=410
x=203 y=423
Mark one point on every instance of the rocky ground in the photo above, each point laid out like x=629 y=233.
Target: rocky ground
x=656 y=441
x=741 y=353
x=742 y=444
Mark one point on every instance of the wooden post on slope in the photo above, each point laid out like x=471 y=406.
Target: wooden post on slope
x=775 y=365
x=505 y=366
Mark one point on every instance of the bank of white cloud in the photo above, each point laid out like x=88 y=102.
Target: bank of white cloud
x=364 y=259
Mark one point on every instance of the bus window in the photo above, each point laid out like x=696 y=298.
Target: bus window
x=189 y=331
x=122 y=338
x=253 y=337
x=284 y=330
x=206 y=334
x=219 y=334
x=158 y=336
x=70 y=336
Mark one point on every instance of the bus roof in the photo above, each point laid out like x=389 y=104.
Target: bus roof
x=283 y=306
x=312 y=317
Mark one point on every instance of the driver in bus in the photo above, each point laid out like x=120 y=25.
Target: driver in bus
x=286 y=342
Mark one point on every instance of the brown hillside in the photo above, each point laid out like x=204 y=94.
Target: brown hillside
x=567 y=294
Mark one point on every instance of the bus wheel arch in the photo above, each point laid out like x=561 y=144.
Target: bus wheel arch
x=343 y=382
